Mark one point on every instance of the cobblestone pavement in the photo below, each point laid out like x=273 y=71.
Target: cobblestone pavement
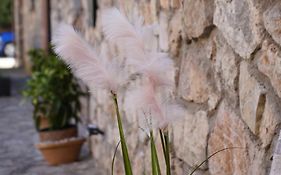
x=18 y=155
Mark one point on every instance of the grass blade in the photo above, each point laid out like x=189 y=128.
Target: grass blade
x=154 y=158
x=163 y=144
x=167 y=146
x=166 y=150
x=196 y=168
x=126 y=159
x=114 y=155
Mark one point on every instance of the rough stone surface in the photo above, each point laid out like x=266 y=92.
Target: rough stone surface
x=272 y=21
x=176 y=3
x=175 y=34
x=195 y=82
x=198 y=15
x=181 y=168
x=269 y=63
x=165 y=4
x=226 y=67
x=229 y=131
x=241 y=24
x=270 y=120
x=276 y=169
x=192 y=133
x=259 y=109
x=252 y=98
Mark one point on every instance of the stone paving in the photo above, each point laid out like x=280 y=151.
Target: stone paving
x=18 y=155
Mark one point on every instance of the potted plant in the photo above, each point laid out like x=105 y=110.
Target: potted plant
x=55 y=94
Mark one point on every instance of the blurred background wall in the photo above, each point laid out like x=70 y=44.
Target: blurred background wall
x=31 y=21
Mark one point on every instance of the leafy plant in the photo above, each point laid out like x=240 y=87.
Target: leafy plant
x=53 y=90
x=6 y=13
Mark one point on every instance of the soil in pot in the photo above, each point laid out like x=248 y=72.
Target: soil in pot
x=61 y=152
x=55 y=135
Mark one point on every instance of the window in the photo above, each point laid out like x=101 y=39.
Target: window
x=93 y=7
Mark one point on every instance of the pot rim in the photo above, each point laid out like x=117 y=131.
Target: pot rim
x=70 y=126
x=57 y=144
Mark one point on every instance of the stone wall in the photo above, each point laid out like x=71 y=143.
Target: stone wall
x=228 y=76
x=31 y=28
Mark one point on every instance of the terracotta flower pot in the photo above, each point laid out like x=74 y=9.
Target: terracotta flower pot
x=56 y=135
x=61 y=152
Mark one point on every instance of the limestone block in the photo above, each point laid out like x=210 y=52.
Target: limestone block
x=269 y=63
x=175 y=34
x=197 y=14
x=147 y=10
x=270 y=120
x=229 y=131
x=226 y=67
x=176 y=3
x=165 y=4
x=196 y=74
x=252 y=98
x=272 y=21
x=276 y=164
x=241 y=24
x=190 y=138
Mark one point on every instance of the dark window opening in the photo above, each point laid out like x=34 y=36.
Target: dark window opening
x=93 y=8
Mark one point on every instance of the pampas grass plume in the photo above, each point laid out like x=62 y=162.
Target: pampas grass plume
x=95 y=71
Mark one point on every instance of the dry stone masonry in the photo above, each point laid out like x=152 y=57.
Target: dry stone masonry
x=228 y=76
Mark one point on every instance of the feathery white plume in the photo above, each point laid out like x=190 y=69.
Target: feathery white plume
x=95 y=71
x=158 y=69
x=155 y=111
x=117 y=29
x=132 y=39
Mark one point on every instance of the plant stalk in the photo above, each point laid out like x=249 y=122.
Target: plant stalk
x=166 y=149
x=167 y=153
x=154 y=158
x=126 y=159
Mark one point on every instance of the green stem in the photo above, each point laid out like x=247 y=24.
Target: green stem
x=163 y=145
x=126 y=159
x=167 y=146
x=154 y=158
x=166 y=149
